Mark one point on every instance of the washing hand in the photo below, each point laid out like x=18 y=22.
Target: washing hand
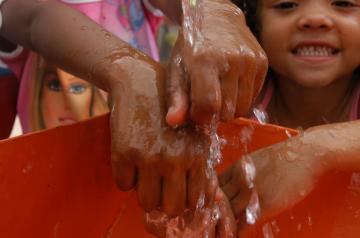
x=284 y=174
x=168 y=167
x=211 y=221
x=220 y=70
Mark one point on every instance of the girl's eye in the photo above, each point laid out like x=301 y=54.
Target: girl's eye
x=343 y=3
x=77 y=88
x=53 y=83
x=286 y=5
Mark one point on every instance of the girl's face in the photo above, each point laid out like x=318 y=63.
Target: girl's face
x=60 y=96
x=313 y=42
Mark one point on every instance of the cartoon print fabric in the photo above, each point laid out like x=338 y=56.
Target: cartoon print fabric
x=49 y=97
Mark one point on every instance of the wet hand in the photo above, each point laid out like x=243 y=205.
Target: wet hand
x=217 y=66
x=211 y=221
x=281 y=175
x=166 y=166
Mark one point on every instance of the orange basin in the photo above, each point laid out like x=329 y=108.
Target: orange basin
x=58 y=183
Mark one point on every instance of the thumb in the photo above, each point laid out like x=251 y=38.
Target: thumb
x=177 y=93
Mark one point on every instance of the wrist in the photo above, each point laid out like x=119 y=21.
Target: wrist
x=320 y=152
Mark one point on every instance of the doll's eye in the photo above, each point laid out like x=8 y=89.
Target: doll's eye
x=286 y=5
x=342 y=3
x=53 y=83
x=77 y=88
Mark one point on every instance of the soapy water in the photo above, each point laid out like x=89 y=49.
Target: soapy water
x=200 y=222
x=203 y=219
x=179 y=226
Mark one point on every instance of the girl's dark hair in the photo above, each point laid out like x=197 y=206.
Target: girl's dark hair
x=250 y=9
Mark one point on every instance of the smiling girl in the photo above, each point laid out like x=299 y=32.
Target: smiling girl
x=313 y=49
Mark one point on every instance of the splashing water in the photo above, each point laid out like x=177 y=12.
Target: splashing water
x=253 y=209
x=192 y=23
x=247 y=164
x=261 y=115
x=216 y=143
x=196 y=223
x=249 y=169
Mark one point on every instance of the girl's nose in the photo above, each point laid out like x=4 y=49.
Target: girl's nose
x=315 y=21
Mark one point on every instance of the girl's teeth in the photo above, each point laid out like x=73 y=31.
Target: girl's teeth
x=315 y=51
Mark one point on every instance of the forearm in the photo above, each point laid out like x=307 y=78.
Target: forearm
x=339 y=145
x=65 y=37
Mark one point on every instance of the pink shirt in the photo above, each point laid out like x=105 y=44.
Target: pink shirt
x=133 y=21
x=354 y=107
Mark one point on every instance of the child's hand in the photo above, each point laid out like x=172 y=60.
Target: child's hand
x=167 y=166
x=221 y=73
x=214 y=221
x=284 y=174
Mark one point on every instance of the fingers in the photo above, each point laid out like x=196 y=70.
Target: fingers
x=225 y=176
x=246 y=85
x=174 y=193
x=201 y=184
x=229 y=91
x=231 y=188
x=149 y=188
x=123 y=171
x=226 y=226
x=155 y=222
x=205 y=93
x=240 y=202
x=232 y=181
x=177 y=91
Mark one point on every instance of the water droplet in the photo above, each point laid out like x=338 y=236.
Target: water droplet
x=261 y=115
x=301 y=131
x=28 y=167
x=288 y=133
x=253 y=208
x=267 y=231
x=310 y=221
x=216 y=143
x=249 y=170
x=201 y=202
x=83 y=28
x=275 y=226
x=291 y=156
x=302 y=193
x=299 y=226
x=246 y=134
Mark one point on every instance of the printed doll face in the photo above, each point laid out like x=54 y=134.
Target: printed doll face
x=313 y=42
x=65 y=98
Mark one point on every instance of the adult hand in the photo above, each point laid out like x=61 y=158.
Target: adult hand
x=167 y=166
x=214 y=221
x=284 y=174
x=217 y=65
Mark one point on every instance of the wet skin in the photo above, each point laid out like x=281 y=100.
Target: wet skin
x=200 y=223
x=223 y=71
x=142 y=145
x=167 y=166
x=287 y=172
x=309 y=87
